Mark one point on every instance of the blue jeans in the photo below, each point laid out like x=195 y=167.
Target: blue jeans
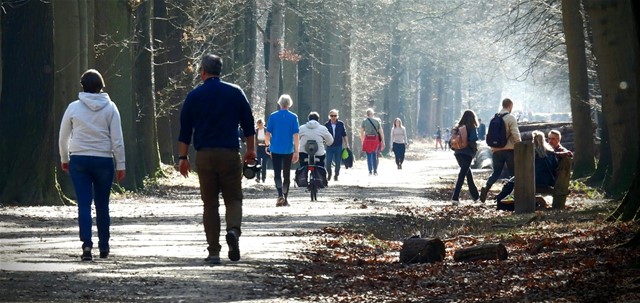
x=263 y=159
x=500 y=158
x=334 y=155
x=464 y=161
x=398 y=151
x=372 y=161
x=92 y=178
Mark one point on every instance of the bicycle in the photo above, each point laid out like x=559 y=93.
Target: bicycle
x=311 y=176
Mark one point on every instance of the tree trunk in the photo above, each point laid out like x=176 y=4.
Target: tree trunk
x=144 y=88
x=489 y=251
x=161 y=79
x=422 y=250
x=583 y=161
x=275 y=47
x=291 y=41
x=615 y=45
x=70 y=61
x=425 y=102
x=28 y=173
x=393 y=89
x=114 y=59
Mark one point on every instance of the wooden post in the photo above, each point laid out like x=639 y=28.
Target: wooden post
x=525 y=185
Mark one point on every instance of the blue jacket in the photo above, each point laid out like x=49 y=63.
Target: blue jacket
x=339 y=133
x=212 y=112
x=282 y=125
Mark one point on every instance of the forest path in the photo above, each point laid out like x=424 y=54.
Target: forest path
x=158 y=244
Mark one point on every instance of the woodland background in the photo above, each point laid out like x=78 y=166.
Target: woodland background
x=422 y=61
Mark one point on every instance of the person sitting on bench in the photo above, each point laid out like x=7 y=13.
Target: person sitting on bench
x=552 y=169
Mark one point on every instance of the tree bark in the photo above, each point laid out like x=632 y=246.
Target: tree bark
x=425 y=102
x=489 y=251
x=114 y=22
x=573 y=24
x=144 y=88
x=422 y=250
x=275 y=47
x=291 y=41
x=70 y=58
x=28 y=173
x=615 y=45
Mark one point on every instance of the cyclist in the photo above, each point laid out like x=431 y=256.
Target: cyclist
x=313 y=130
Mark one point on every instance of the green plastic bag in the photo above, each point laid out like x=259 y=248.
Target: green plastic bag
x=345 y=154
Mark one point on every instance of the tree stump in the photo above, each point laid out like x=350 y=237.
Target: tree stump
x=488 y=251
x=422 y=250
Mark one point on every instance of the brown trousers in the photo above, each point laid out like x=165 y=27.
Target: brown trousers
x=220 y=171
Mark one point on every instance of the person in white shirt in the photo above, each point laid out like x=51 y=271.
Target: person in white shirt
x=263 y=157
x=399 y=141
x=90 y=139
x=313 y=130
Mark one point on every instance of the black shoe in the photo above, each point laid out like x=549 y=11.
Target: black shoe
x=213 y=259
x=234 y=249
x=104 y=254
x=483 y=194
x=86 y=254
x=335 y=178
x=328 y=177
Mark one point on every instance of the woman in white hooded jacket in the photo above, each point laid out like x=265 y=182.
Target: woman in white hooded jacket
x=313 y=130
x=90 y=139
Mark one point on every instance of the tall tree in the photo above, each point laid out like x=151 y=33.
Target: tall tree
x=275 y=48
x=114 y=59
x=144 y=88
x=616 y=47
x=72 y=48
x=28 y=166
x=583 y=162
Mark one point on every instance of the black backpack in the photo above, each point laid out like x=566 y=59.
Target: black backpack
x=497 y=134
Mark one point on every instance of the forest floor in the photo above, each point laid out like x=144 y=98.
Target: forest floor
x=342 y=248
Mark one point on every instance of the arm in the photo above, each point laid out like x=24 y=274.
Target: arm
x=63 y=141
x=117 y=144
x=267 y=142
x=296 y=148
x=328 y=138
x=381 y=131
x=250 y=154
x=183 y=164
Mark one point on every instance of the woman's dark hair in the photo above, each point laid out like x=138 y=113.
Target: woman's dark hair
x=468 y=119
x=92 y=81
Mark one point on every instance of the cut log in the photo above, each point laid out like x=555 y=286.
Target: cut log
x=488 y=251
x=422 y=250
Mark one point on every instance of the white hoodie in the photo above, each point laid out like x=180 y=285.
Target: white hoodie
x=313 y=130
x=91 y=127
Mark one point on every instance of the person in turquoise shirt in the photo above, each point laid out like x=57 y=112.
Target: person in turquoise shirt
x=282 y=142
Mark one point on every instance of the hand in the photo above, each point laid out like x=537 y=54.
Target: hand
x=65 y=167
x=295 y=157
x=120 y=174
x=381 y=145
x=267 y=150
x=184 y=168
x=250 y=157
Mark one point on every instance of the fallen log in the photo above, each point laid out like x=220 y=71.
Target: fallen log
x=422 y=250
x=488 y=251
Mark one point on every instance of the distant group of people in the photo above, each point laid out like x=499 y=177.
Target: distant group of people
x=552 y=160
x=92 y=152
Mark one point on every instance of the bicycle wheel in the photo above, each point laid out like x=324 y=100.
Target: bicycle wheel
x=314 y=193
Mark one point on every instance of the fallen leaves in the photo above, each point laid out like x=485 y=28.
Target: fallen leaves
x=551 y=259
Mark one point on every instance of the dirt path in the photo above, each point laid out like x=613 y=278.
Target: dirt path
x=158 y=242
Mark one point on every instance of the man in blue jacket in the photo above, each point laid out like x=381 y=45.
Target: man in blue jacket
x=340 y=139
x=211 y=113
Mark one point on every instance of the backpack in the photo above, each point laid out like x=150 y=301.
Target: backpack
x=497 y=134
x=458 y=138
